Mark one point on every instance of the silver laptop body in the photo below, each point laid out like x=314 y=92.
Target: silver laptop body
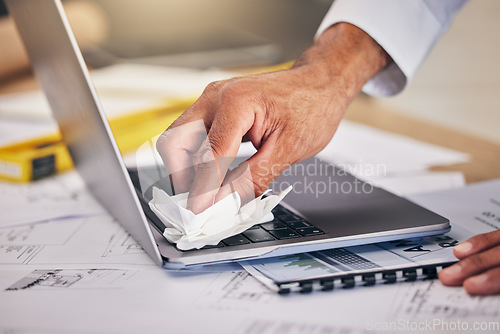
x=347 y=219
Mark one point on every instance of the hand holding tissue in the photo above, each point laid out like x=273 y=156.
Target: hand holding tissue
x=222 y=220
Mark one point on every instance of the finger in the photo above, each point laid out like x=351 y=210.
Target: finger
x=470 y=266
x=487 y=283
x=216 y=153
x=206 y=181
x=177 y=145
x=238 y=180
x=252 y=177
x=477 y=244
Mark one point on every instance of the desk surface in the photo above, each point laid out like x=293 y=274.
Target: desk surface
x=484 y=161
x=485 y=155
x=129 y=294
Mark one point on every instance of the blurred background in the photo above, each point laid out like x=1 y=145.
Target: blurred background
x=458 y=86
x=198 y=33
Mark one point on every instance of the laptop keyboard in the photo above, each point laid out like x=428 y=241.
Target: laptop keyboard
x=286 y=225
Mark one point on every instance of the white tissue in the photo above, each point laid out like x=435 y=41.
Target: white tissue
x=223 y=219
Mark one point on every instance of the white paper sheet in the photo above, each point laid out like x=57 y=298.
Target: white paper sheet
x=420 y=182
x=56 y=197
x=294 y=326
x=429 y=299
x=95 y=242
x=144 y=301
x=14 y=130
x=233 y=302
x=122 y=88
x=64 y=279
x=475 y=208
x=349 y=309
x=368 y=152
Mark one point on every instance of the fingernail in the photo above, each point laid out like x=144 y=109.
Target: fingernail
x=464 y=247
x=454 y=270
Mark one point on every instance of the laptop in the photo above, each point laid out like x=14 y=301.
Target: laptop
x=303 y=223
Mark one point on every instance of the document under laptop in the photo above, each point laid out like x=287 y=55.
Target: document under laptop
x=404 y=260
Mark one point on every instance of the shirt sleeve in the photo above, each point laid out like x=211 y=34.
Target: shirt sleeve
x=406 y=29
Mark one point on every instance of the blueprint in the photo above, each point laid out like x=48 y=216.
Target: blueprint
x=72 y=279
x=59 y=196
x=426 y=299
x=68 y=267
x=98 y=241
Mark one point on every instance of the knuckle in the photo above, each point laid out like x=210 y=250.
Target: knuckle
x=214 y=86
x=169 y=139
x=235 y=88
x=164 y=141
x=217 y=145
x=238 y=92
x=205 y=153
x=473 y=263
x=259 y=186
x=483 y=240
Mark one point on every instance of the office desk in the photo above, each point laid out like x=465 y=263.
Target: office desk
x=484 y=161
x=144 y=298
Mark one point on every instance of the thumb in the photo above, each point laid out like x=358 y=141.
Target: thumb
x=252 y=177
x=214 y=157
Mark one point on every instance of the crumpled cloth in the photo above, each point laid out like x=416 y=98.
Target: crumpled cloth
x=223 y=219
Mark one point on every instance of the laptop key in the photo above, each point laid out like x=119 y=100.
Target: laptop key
x=309 y=231
x=258 y=235
x=219 y=245
x=274 y=225
x=236 y=240
x=287 y=217
x=279 y=210
x=255 y=227
x=298 y=224
x=286 y=233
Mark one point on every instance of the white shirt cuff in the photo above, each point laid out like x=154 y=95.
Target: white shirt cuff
x=406 y=29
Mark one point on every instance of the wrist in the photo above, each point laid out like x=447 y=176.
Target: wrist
x=344 y=55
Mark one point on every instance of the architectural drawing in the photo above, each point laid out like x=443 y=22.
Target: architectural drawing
x=430 y=299
x=74 y=279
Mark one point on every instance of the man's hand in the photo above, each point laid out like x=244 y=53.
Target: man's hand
x=288 y=116
x=479 y=267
